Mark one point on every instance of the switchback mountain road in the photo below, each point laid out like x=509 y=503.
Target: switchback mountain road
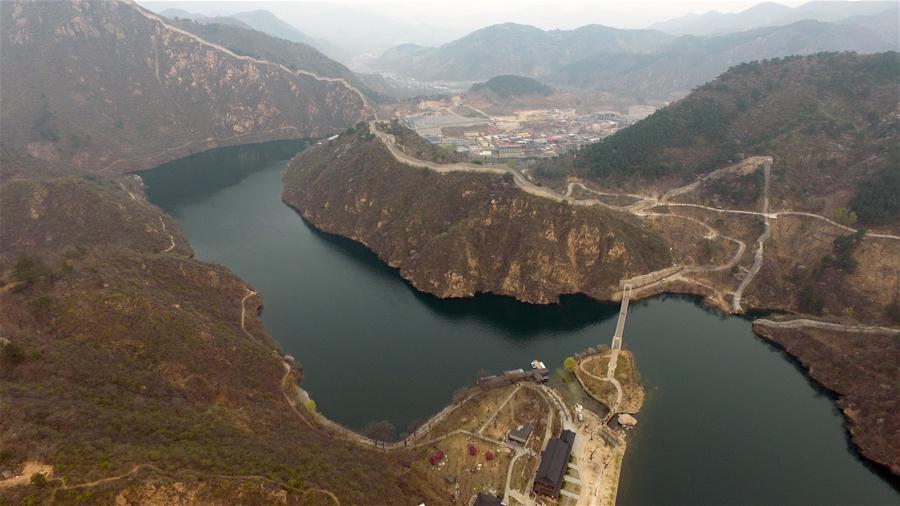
x=641 y=208
x=760 y=243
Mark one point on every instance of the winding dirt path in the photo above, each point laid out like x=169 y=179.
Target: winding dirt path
x=760 y=243
x=133 y=470
x=138 y=467
x=172 y=245
x=609 y=378
x=28 y=470
x=250 y=293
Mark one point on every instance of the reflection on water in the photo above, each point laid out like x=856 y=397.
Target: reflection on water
x=201 y=175
x=728 y=420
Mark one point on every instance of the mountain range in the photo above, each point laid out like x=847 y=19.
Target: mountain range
x=771 y=14
x=645 y=64
x=352 y=29
x=512 y=48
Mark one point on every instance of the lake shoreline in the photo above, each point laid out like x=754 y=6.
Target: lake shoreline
x=879 y=467
x=393 y=272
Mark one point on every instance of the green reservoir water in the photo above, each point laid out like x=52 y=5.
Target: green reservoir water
x=728 y=418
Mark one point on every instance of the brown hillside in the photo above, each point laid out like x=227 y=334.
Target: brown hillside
x=116 y=356
x=871 y=398
x=65 y=214
x=105 y=87
x=455 y=235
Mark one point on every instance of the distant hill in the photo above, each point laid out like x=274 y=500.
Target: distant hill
x=644 y=64
x=515 y=49
x=690 y=61
x=829 y=120
x=648 y=72
x=109 y=87
x=511 y=85
x=181 y=14
x=358 y=29
x=263 y=21
x=770 y=14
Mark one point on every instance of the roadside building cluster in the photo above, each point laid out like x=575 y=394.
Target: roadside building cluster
x=548 y=134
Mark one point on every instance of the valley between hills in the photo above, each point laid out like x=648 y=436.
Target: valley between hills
x=134 y=373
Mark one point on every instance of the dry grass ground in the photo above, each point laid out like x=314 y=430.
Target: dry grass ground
x=523 y=472
x=472 y=473
x=626 y=373
x=525 y=406
x=473 y=413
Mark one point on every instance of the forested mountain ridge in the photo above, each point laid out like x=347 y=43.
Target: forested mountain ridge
x=99 y=86
x=829 y=120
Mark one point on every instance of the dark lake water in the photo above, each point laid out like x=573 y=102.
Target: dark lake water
x=728 y=418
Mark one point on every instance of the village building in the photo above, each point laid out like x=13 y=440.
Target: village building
x=521 y=434
x=554 y=461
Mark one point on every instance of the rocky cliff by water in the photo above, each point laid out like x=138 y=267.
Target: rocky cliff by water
x=455 y=235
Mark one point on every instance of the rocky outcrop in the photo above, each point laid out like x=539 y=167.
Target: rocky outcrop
x=106 y=87
x=455 y=235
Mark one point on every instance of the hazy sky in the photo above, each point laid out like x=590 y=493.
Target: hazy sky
x=466 y=15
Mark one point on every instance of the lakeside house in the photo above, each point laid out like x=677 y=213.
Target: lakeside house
x=554 y=462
